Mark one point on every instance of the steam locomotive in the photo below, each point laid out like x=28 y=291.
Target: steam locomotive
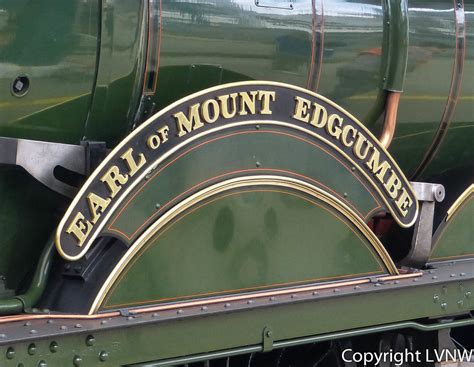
x=236 y=182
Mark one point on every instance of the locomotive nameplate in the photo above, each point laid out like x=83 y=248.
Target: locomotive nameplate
x=220 y=108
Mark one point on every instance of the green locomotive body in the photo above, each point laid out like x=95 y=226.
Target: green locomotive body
x=235 y=182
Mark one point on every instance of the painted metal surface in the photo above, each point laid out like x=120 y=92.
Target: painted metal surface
x=258 y=237
x=54 y=44
x=159 y=335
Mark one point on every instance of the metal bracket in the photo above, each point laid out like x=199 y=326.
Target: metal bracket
x=41 y=158
x=267 y=339
x=427 y=194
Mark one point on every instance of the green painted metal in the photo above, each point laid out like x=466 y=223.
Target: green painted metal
x=53 y=43
x=28 y=300
x=263 y=151
x=245 y=241
x=315 y=339
x=227 y=331
x=454 y=238
x=117 y=92
x=202 y=45
x=28 y=215
x=395 y=46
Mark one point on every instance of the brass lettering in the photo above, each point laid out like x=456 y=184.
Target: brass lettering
x=80 y=228
x=319 y=116
x=114 y=180
x=404 y=202
x=207 y=115
x=360 y=141
x=379 y=170
x=186 y=125
x=163 y=132
x=392 y=185
x=225 y=105
x=334 y=129
x=345 y=133
x=301 y=109
x=266 y=97
x=247 y=103
x=153 y=142
x=132 y=165
x=97 y=205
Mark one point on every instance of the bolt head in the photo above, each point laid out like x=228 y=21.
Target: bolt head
x=53 y=347
x=31 y=349
x=103 y=356
x=90 y=340
x=10 y=353
x=76 y=361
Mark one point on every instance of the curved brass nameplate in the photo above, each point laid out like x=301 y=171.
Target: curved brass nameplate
x=226 y=107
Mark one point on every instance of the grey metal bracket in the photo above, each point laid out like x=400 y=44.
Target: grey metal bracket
x=427 y=194
x=41 y=158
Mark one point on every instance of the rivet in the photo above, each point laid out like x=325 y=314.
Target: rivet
x=3 y=336
x=452 y=275
x=204 y=308
x=415 y=280
x=154 y=315
x=31 y=349
x=50 y=321
x=179 y=312
x=294 y=296
x=53 y=347
x=377 y=285
x=444 y=305
x=130 y=318
x=357 y=287
x=272 y=298
x=35 y=310
x=90 y=340
x=397 y=282
x=336 y=290
x=346 y=194
x=28 y=323
x=431 y=271
x=436 y=298
x=158 y=206
x=33 y=331
x=227 y=305
x=257 y=127
x=435 y=277
x=42 y=364
x=460 y=303
x=315 y=293
x=249 y=302
x=257 y=164
x=78 y=326
x=77 y=360
x=462 y=274
x=103 y=322
x=468 y=294
x=103 y=356
x=353 y=168
x=63 y=327
x=10 y=353
x=269 y=333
